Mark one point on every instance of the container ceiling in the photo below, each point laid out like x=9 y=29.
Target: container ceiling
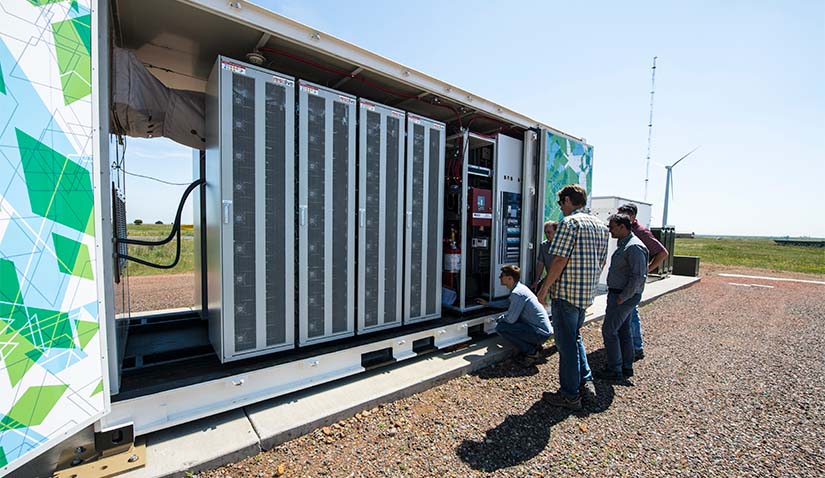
x=179 y=44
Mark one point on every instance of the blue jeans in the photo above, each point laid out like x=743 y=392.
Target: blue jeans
x=523 y=337
x=573 y=367
x=618 y=344
x=636 y=330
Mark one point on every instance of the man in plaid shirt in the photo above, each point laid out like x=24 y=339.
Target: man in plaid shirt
x=579 y=251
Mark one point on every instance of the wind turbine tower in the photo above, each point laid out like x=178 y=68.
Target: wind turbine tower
x=669 y=184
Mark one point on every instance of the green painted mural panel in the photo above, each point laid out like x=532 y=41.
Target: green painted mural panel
x=72 y=41
x=59 y=189
x=32 y=407
x=72 y=257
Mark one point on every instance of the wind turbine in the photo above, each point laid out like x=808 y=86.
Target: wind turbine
x=668 y=183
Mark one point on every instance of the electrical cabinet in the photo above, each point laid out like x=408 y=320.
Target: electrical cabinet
x=380 y=216
x=424 y=218
x=507 y=226
x=249 y=209
x=326 y=214
x=468 y=220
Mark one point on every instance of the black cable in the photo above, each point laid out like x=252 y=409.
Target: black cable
x=175 y=232
x=153 y=179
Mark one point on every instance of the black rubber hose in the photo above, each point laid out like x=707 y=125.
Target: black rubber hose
x=176 y=224
x=175 y=232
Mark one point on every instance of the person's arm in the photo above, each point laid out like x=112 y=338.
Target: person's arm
x=560 y=250
x=657 y=260
x=637 y=262
x=557 y=266
x=539 y=270
x=514 y=311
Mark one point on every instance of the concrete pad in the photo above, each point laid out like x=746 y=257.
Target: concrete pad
x=199 y=445
x=284 y=418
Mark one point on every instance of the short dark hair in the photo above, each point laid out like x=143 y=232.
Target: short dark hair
x=621 y=219
x=629 y=208
x=576 y=193
x=512 y=271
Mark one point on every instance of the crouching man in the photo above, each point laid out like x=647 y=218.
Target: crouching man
x=625 y=281
x=525 y=325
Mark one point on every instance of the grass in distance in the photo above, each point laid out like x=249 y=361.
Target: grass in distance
x=164 y=254
x=752 y=252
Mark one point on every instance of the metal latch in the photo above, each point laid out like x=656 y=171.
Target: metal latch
x=227 y=211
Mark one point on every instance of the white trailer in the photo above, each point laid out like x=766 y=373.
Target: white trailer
x=279 y=160
x=602 y=207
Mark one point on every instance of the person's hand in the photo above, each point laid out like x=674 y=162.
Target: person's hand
x=619 y=300
x=534 y=286
x=481 y=301
x=543 y=300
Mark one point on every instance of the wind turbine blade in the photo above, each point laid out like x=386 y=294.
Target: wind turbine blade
x=683 y=157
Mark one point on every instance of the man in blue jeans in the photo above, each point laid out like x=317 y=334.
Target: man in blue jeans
x=579 y=251
x=525 y=325
x=657 y=254
x=625 y=282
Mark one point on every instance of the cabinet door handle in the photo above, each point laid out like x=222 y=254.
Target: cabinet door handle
x=302 y=212
x=227 y=211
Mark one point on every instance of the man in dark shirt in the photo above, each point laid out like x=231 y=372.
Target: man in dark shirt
x=544 y=258
x=625 y=282
x=657 y=254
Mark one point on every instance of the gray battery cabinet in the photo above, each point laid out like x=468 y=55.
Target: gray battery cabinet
x=250 y=210
x=326 y=214
x=318 y=226
x=380 y=216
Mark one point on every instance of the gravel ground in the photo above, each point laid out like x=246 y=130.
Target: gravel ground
x=158 y=292
x=732 y=385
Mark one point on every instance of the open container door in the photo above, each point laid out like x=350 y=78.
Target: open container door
x=565 y=160
x=53 y=371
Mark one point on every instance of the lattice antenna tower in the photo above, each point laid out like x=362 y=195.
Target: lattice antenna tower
x=650 y=124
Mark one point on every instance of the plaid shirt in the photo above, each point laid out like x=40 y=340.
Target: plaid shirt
x=583 y=239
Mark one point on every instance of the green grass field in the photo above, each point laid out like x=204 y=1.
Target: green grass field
x=757 y=252
x=747 y=252
x=164 y=254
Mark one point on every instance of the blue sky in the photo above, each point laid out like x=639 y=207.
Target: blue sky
x=742 y=80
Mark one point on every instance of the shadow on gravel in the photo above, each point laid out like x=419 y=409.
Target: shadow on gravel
x=521 y=437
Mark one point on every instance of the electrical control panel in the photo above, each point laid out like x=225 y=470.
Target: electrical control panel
x=481 y=207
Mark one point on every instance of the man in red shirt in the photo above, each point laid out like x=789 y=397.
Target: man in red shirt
x=657 y=254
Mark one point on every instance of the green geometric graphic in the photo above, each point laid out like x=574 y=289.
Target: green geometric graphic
x=72 y=41
x=19 y=354
x=2 y=90
x=72 y=257
x=86 y=331
x=9 y=286
x=27 y=332
x=97 y=389
x=3 y=461
x=33 y=407
x=40 y=3
x=59 y=189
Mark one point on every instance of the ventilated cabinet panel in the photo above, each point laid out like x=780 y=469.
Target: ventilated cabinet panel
x=250 y=209
x=424 y=197
x=326 y=214
x=381 y=211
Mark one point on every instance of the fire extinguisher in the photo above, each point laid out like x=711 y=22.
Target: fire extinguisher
x=452 y=262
